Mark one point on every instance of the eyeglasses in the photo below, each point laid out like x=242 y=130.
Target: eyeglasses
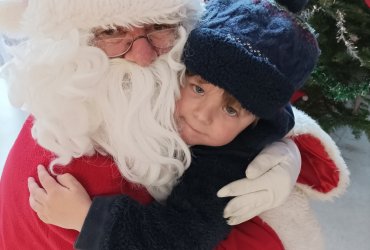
x=120 y=43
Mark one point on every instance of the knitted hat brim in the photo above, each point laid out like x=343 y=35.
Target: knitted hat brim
x=226 y=63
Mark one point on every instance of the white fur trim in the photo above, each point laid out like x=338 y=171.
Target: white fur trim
x=10 y=15
x=60 y=16
x=306 y=125
x=295 y=223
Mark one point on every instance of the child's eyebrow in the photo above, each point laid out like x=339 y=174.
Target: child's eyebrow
x=201 y=81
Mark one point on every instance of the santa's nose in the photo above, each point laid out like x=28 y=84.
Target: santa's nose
x=141 y=52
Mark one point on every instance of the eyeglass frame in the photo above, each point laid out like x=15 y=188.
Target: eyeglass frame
x=134 y=39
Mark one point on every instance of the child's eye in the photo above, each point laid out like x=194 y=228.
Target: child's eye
x=230 y=111
x=197 y=89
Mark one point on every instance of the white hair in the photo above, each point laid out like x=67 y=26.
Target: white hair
x=82 y=103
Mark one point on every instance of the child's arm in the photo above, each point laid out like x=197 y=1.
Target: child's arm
x=277 y=164
x=191 y=218
x=58 y=206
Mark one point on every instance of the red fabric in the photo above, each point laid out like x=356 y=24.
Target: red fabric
x=20 y=228
x=318 y=170
x=252 y=235
x=297 y=95
x=367 y=3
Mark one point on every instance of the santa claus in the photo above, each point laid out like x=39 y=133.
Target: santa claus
x=109 y=121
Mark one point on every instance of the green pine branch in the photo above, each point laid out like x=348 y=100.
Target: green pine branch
x=339 y=88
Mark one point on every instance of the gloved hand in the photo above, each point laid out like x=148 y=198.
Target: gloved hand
x=270 y=178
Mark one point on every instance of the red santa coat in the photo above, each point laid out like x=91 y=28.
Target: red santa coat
x=22 y=229
x=324 y=176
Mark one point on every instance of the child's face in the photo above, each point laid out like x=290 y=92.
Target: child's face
x=203 y=117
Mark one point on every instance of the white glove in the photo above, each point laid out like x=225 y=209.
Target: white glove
x=270 y=179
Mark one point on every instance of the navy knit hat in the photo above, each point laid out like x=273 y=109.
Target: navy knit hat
x=257 y=50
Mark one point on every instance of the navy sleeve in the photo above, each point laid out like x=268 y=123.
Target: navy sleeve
x=93 y=230
x=192 y=217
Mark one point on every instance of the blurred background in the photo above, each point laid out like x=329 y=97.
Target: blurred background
x=338 y=91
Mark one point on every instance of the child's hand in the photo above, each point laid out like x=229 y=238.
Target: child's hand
x=64 y=204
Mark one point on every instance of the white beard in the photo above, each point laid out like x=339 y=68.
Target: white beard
x=83 y=103
x=138 y=129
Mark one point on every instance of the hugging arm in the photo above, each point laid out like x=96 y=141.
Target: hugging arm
x=192 y=216
x=125 y=224
x=190 y=219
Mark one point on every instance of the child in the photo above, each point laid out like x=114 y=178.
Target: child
x=243 y=65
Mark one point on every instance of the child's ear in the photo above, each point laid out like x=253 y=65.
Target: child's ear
x=255 y=122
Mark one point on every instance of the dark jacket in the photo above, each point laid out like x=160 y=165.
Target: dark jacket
x=192 y=217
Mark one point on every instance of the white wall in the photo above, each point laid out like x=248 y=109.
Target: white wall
x=11 y=120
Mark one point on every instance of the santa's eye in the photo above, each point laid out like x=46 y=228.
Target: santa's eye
x=162 y=26
x=112 y=32
x=109 y=32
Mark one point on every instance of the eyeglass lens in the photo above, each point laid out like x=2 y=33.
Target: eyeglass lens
x=118 y=46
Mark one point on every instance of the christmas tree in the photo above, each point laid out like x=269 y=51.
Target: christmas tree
x=339 y=88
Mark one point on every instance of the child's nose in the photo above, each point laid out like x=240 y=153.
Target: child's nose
x=205 y=112
x=141 y=53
